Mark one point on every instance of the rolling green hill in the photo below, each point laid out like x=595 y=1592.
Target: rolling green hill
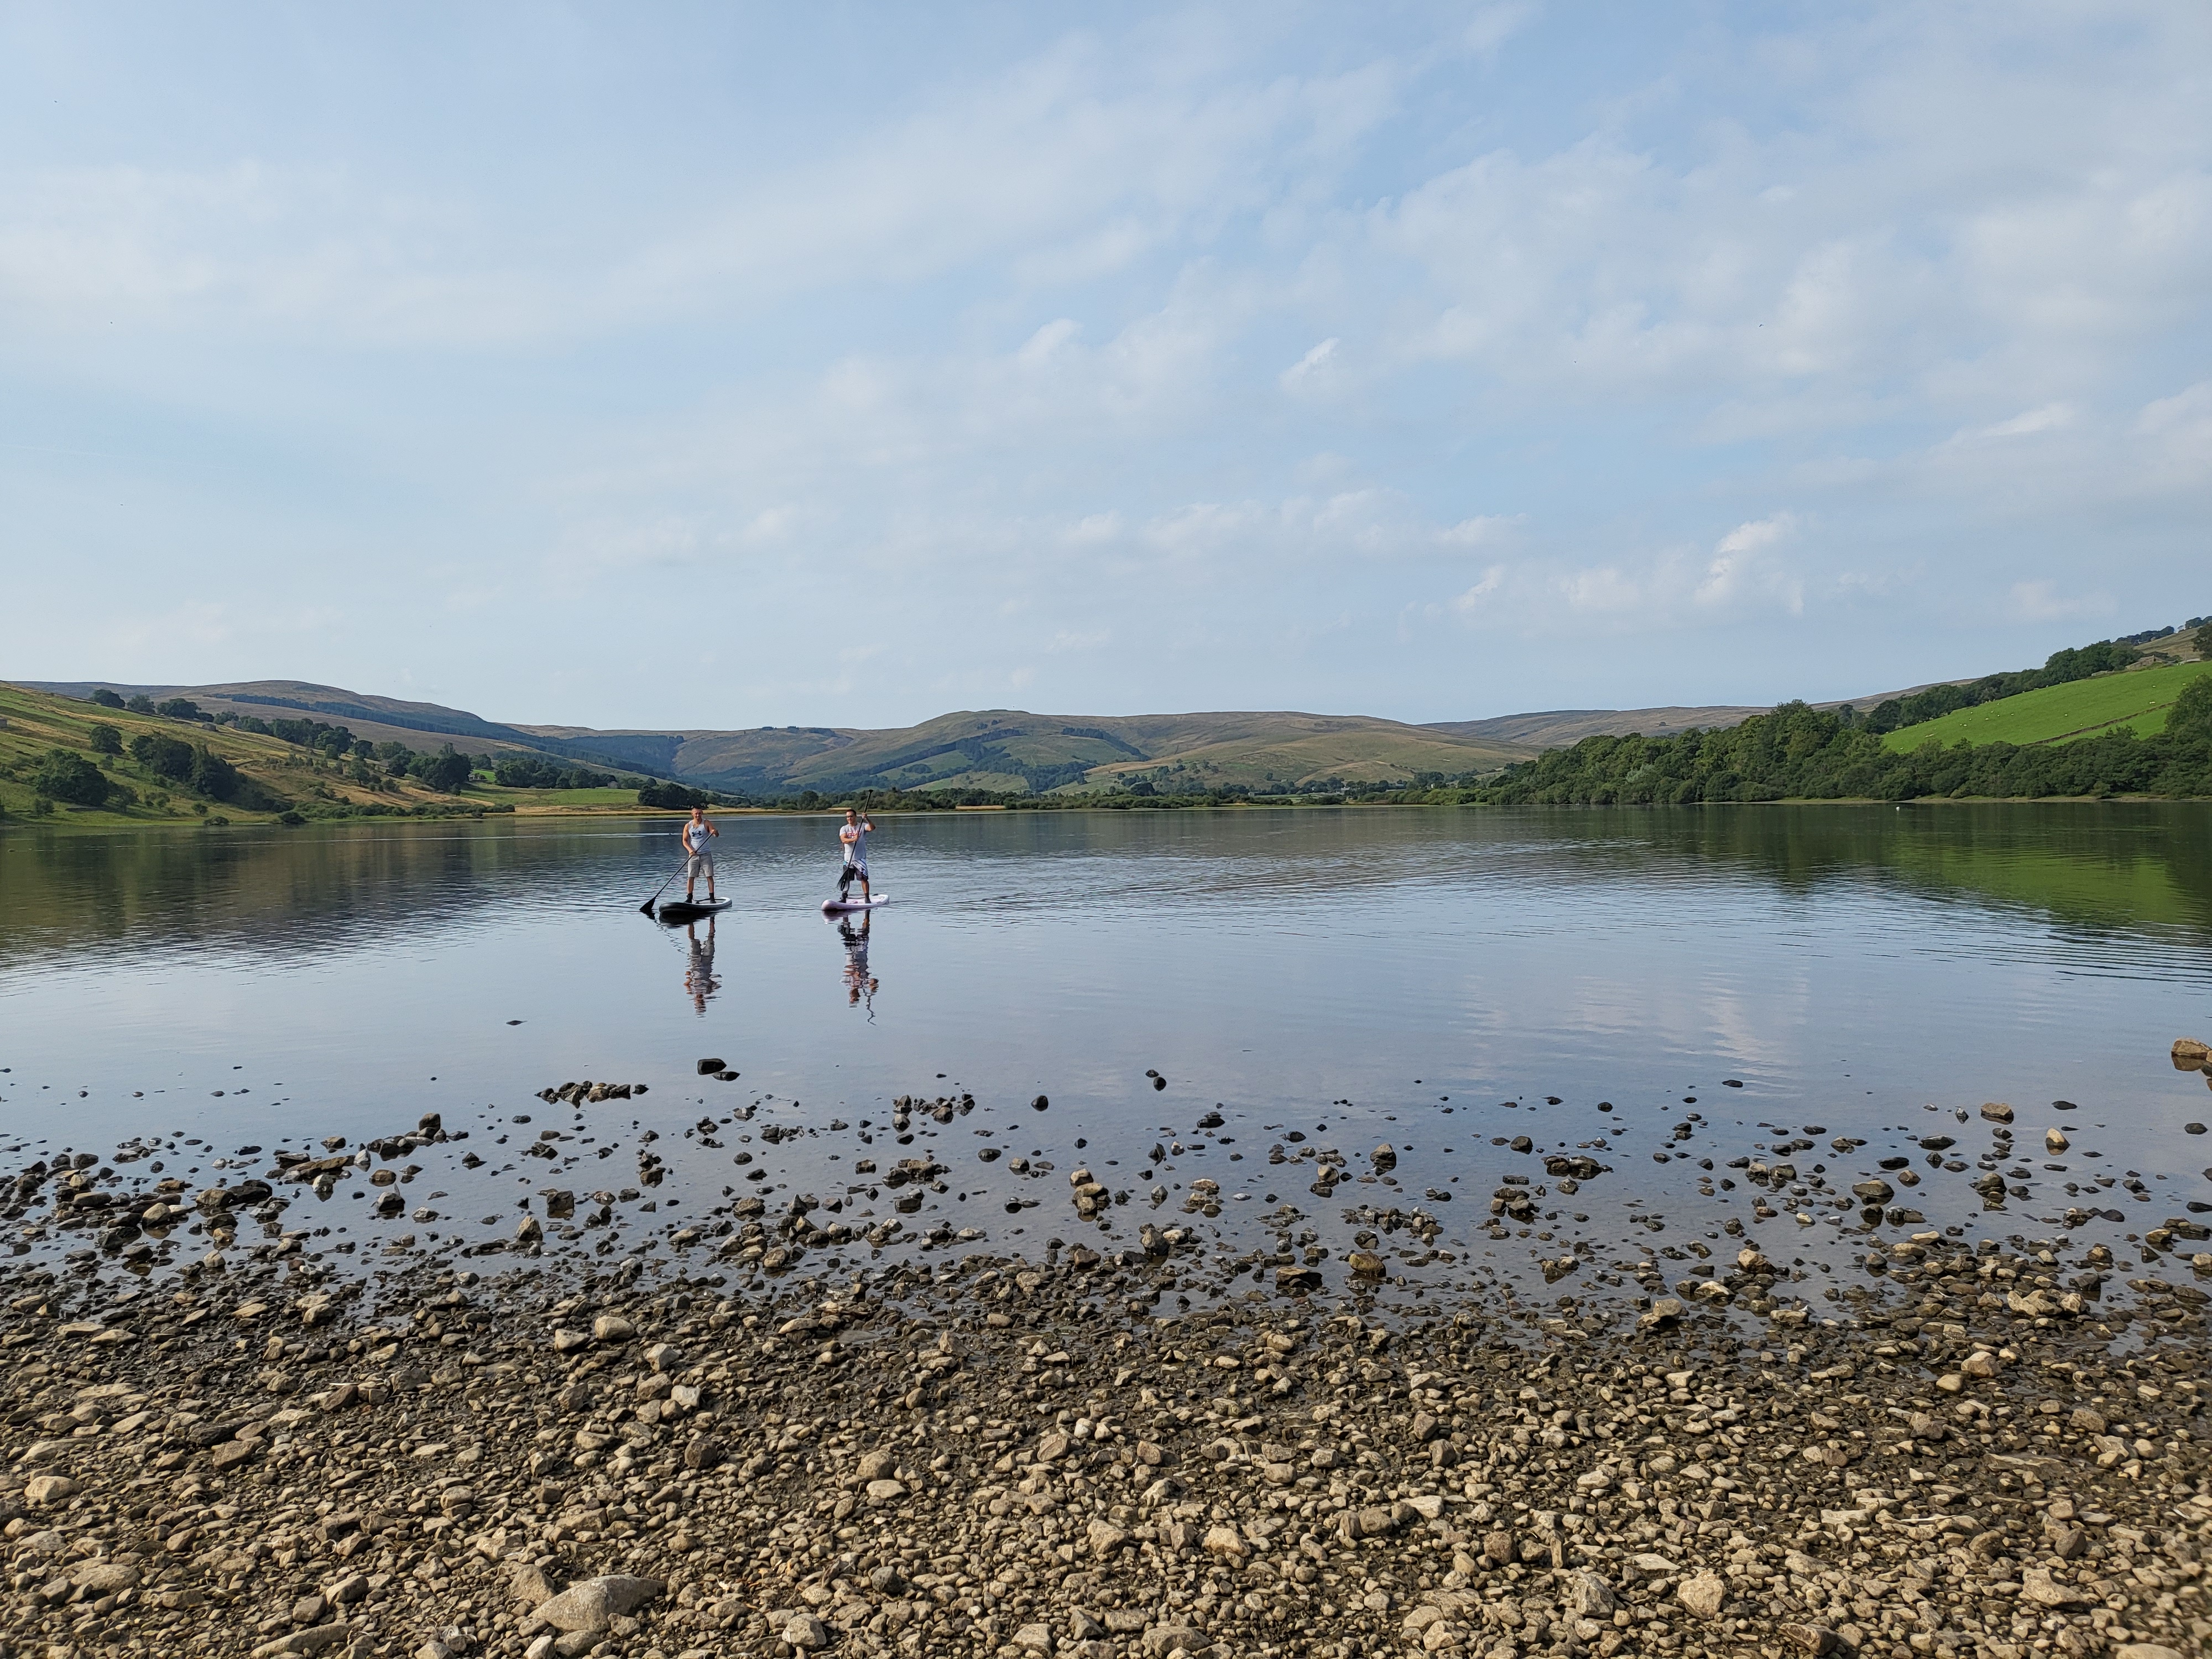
x=1013 y=750
x=1006 y=751
x=2137 y=698
x=158 y=776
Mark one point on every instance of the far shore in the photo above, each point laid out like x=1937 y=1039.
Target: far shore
x=78 y=821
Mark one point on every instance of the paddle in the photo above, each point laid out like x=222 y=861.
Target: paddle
x=646 y=908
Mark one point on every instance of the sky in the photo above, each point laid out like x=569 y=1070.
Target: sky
x=728 y=365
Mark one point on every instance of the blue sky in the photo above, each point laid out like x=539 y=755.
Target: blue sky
x=730 y=365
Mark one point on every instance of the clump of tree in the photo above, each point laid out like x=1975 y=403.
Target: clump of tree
x=199 y=769
x=104 y=739
x=658 y=793
x=106 y=699
x=445 y=771
x=63 y=774
x=333 y=741
x=1799 y=752
x=534 y=772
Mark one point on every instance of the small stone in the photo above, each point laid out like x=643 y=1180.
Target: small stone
x=1703 y=1594
x=703 y=1451
x=2054 y=1141
x=612 y=1327
x=2147 y=1651
x=1226 y=1542
x=1996 y=1111
x=42 y=1490
x=309 y=1608
x=2036 y=1585
x=1982 y=1365
x=1499 y=1549
x=97 y=1578
x=873 y=1467
x=885 y=1492
x=1593 y=1597
x=1104 y=1537
x=567 y=1341
x=1034 y=1638
x=662 y=1357
x=804 y=1630
x=1814 y=1639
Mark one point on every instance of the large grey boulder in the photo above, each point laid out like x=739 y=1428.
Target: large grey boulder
x=597 y=1603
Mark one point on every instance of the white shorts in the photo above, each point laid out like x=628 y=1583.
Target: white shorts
x=700 y=864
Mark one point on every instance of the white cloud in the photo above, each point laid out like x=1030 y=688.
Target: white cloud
x=2051 y=418
x=2040 y=601
x=2187 y=410
x=1309 y=367
x=1492 y=581
x=1483 y=530
x=1040 y=348
x=1740 y=567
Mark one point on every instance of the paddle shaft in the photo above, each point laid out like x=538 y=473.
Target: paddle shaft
x=646 y=908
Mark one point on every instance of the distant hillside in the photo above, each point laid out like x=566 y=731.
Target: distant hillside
x=1009 y=752
x=1002 y=749
x=374 y=719
x=1558 y=728
x=1561 y=728
x=1014 y=750
x=2137 y=700
x=73 y=761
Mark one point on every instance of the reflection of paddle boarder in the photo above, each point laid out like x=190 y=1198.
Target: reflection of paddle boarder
x=699 y=972
x=853 y=833
x=859 y=984
x=696 y=834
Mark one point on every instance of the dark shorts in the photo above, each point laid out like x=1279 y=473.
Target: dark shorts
x=852 y=873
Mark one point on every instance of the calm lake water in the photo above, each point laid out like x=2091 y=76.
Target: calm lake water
x=1427 y=977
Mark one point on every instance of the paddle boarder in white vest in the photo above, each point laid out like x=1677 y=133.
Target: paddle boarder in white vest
x=701 y=862
x=853 y=832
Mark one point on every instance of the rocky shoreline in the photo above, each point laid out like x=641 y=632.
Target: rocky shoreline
x=989 y=1454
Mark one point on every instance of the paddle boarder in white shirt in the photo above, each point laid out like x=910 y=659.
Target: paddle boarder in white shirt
x=700 y=862
x=853 y=833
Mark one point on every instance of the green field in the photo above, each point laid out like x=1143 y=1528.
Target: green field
x=555 y=800
x=2058 y=713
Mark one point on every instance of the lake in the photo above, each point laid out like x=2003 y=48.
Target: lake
x=1326 y=980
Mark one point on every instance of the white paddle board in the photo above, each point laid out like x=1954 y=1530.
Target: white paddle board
x=839 y=907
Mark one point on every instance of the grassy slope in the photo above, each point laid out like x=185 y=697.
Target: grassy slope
x=2135 y=697
x=38 y=721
